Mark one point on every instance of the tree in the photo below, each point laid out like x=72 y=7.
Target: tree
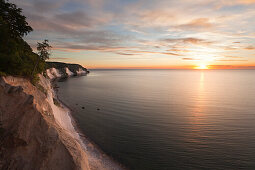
x=13 y=49
x=16 y=56
x=12 y=19
x=44 y=50
x=43 y=53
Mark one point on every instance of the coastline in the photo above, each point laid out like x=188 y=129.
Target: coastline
x=97 y=158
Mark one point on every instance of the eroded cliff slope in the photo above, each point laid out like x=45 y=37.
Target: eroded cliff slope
x=36 y=132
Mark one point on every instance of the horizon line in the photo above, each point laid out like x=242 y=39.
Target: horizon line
x=168 y=69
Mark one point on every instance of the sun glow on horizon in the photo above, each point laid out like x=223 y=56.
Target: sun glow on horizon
x=202 y=67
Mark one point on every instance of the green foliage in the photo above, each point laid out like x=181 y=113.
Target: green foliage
x=35 y=79
x=12 y=19
x=16 y=56
x=44 y=50
x=2 y=74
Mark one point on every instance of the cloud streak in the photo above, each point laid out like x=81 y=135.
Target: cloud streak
x=201 y=24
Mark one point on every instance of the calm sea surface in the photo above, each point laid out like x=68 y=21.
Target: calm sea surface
x=168 y=119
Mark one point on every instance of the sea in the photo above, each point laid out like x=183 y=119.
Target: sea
x=167 y=119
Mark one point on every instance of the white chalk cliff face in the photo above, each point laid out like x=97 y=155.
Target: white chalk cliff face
x=35 y=132
x=80 y=72
x=68 y=72
x=53 y=73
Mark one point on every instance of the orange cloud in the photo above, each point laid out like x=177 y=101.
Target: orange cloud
x=200 y=23
x=187 y=58
x=59 y=58
x=189 y=40
x=231 y=67
x=223 y=3
x=149 y=52
x=250 y=48
x=229 y=60
x=247 y=2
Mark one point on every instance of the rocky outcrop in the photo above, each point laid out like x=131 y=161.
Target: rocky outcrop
x=58 y=69
x=35 y=131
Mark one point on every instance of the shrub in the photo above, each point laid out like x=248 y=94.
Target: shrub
x=2 y=74
x=35 y=79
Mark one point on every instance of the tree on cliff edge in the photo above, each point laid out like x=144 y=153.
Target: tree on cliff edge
x=43 y=52
x=16 y=56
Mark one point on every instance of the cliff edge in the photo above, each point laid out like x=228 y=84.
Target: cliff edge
x=58 y=69
x=36 y=131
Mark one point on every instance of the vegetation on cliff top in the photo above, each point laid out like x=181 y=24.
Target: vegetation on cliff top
x=16 y=56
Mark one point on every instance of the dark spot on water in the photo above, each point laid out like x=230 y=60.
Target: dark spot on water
x=76 y=104
x=98 y=109
x=83 y=107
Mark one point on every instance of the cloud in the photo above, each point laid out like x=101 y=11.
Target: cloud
x=232 y=57
x=156 y=17
x=45 y=6
x=150 y=52
x=245 y=2
x=77 y=48
x=59 y=58
x=79 y=33
x=121 y=53
x=76 y=19
x=229 y=60
x=127 y=51
x=227 y=3
x=187 y=58
x=250 y=48
x=230 y=48
x=195 y=41
x=231 y=67
x=197 y=24
x=190 y=40
x=179 y=50
x=66 y=22
x=183 y=28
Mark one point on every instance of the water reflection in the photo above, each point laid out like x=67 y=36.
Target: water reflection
x=198 y=115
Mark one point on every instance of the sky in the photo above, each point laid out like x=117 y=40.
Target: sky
x=167 y=34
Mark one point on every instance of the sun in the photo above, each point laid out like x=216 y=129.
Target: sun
x=202 y=67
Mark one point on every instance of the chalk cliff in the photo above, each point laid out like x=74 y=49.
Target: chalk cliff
x=58 y=69
x=36 y=131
